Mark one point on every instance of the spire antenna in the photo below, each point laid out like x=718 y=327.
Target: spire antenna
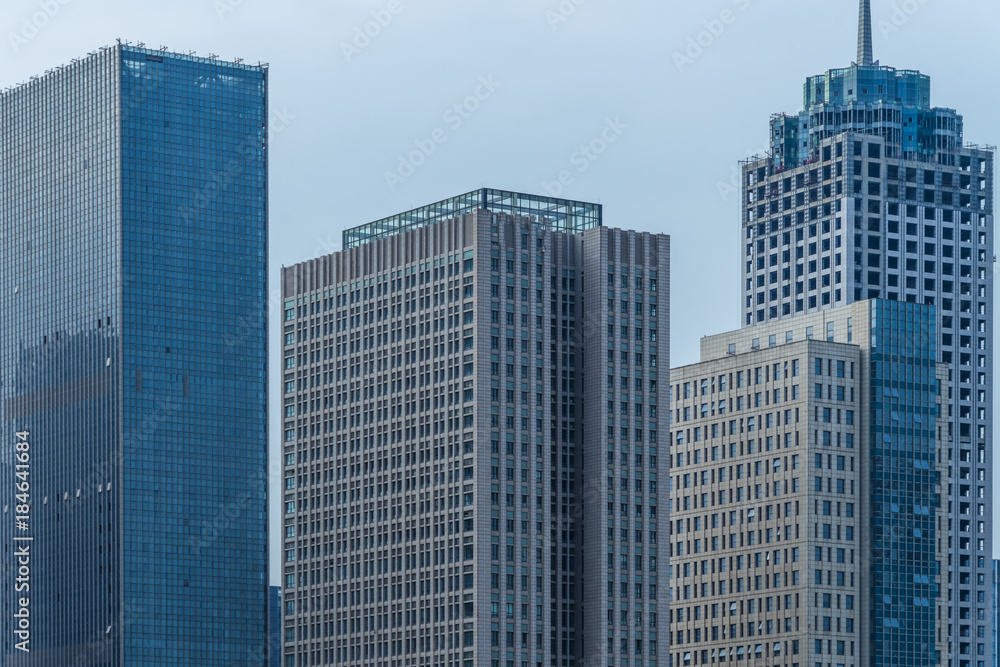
x=865 y=55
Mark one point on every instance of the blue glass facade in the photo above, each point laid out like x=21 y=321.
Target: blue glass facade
x=133 y=200
x=893 y=104
x=274 y=628
x=59 y=342
x=905 y=579
x=869 y=98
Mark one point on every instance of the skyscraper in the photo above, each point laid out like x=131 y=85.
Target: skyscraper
x=809 y=467
x=133 y=209
x=870 y=192
x=473 y=410
x=273 y=653
x=996 y=583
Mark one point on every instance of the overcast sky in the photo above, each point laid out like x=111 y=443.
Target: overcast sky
x=684 y=89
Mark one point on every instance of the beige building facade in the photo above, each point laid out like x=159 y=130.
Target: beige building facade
x=771 y=472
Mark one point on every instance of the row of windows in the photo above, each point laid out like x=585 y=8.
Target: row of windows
x=624 y=647
x=626 y=308
x=911 y=229
x=624 y=409
x=635 y=618
x=760 y=400
x=836 y=578
x=874 y=278
x=760 y=582
x=623 y=458
x=738 y=630
x=736 y=563
x=850 y=117
x=637 y=590
x=738 y=655
x=760 y=491
x=928 y=199
x=623 y=562
x=753 y=469
x=637 y=534
x=751 y=538
x=371 y=294
x=739 y=379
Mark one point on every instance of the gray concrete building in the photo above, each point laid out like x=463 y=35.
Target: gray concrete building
x=474 y=399
x=871 y=192
x=809 y=464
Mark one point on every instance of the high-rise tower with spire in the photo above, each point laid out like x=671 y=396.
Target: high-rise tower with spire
x=871 y=193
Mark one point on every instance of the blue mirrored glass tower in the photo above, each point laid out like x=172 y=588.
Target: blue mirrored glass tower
x=904 y=485
x=133 y=238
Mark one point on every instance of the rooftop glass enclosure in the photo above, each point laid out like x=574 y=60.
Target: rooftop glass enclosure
x=557 y=214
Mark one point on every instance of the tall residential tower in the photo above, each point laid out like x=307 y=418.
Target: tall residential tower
x=871 y=192
x=133 y=238
x=475 y=402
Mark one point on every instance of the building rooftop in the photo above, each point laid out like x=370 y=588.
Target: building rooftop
x=558 y=214
x=153 y=55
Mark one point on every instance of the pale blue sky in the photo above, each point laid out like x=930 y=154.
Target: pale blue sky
x=551 y=76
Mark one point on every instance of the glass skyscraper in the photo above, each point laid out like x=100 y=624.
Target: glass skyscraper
x=274 y=628
x=907 y=575
x=870 y=192
x=133 y=236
